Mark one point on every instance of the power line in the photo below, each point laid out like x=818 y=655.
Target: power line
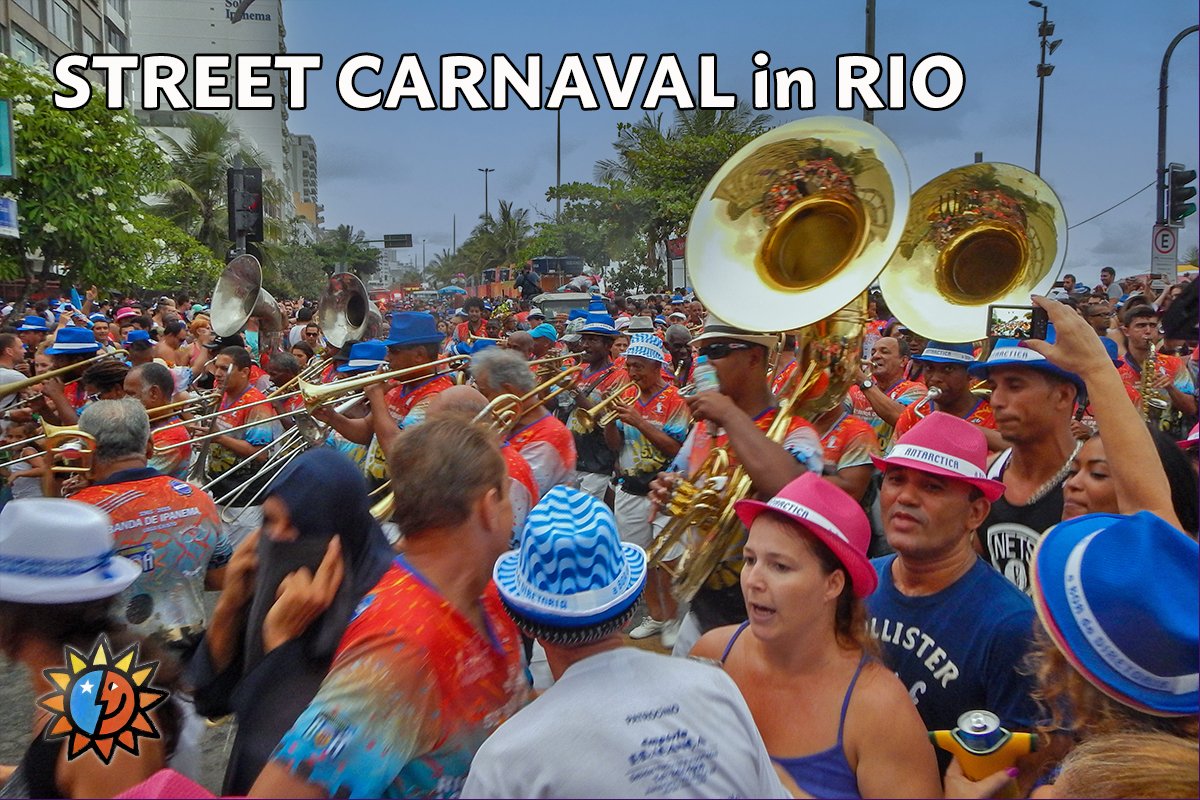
x=1110 y=208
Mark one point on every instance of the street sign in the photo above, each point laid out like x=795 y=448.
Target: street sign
x=397 y=240
x=1163 y=246
x=8 y=161
x=8 y=218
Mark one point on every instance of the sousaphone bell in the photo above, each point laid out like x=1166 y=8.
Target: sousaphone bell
x=345 y=312
x=239 y=295
x=978 y=235
x=797 y=223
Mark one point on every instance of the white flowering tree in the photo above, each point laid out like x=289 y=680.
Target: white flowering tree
x=81 y=179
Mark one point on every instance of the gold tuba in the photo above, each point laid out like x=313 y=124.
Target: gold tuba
x=978 y=235
x=797 y=223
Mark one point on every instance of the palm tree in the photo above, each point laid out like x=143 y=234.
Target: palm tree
x=195 y=196
x=346 y=250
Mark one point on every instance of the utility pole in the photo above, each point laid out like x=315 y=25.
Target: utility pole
x=1045 y=31
x=487 y=209
x=1162 y=122
x=868 y=112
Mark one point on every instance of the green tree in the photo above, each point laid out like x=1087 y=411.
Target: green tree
x=195 y=195
x=346 y=250
x=81 y=175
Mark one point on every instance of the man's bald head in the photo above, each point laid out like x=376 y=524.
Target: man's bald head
x=521 y=342
x=457 y=400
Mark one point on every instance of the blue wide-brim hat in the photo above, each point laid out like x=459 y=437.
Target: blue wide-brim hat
x=1010 y=353
x=364 y=356
x=411 y=328
x=572 y=570
x=947 y=353
x=73 y=341
x=34 y=323
x=599 y=324
x=1120 y=597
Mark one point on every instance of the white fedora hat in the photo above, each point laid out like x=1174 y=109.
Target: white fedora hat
x=59 y=551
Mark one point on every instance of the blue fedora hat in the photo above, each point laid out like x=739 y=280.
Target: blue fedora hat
x=412 y=328
x=1010 y=353
x=72 y=342
x=1120 y=597
x=572 y=570
x=34 y=323
x=365 y=356
x=138 y=337
x=947 y=353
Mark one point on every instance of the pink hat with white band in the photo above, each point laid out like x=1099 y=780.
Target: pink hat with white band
x=829 y=514
x=943 y=444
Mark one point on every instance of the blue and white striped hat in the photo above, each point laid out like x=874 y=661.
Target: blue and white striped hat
x=645 y=345
x=572 y=570
x=365 y=356
x=71 y=341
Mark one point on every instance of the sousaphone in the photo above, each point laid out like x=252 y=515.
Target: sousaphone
x=345 y=312
x=239 y=295
x=797 y=223
x=978 y=235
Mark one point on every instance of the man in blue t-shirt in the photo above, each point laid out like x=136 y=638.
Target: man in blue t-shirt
x=954 y=630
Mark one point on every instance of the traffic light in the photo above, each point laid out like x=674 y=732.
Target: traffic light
x=1179 y=192
x=245 y=206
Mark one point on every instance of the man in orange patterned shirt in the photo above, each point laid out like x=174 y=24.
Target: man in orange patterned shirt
x=946 y=370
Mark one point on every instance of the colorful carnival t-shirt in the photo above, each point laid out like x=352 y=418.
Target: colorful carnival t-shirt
x=664 y=410
x=522 y=491
x=980 y=414
x=240 y=412
x=171 y=529
x=850 y=442
x=904 y=392
x=407 y=405
x=1176 y=367
x=413 y=691
x=173 y=462
x=592 y=454
x=549 y=448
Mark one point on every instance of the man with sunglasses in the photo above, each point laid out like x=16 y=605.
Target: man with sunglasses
x=737 y=416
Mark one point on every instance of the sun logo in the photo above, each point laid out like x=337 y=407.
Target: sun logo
x=101 y=700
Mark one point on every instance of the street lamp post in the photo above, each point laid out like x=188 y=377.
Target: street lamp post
x=557 y=160
x=487 y=209
x=1045 y=31
x=422 y=256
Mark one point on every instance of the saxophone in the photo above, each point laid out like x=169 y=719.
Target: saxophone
x=1154 y=405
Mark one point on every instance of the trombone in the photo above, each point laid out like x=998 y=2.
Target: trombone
x=316 y=394
x=505 y=410
x=608 y=409
x=21 y=385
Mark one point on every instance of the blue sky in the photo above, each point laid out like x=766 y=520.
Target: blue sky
x=411 y=171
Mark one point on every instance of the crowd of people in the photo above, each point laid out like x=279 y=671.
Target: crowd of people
x=627 y=551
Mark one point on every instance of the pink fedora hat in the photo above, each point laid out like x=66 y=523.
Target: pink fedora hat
x=827 y=513
x=942 y=444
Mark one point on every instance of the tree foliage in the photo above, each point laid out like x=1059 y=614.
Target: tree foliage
x=81 y=177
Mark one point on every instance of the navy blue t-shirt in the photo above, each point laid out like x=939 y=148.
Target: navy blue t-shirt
x=960 y=649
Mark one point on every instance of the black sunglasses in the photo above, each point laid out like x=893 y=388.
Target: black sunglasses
x=719 y=350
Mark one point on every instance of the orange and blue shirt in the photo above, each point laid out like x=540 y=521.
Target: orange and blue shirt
x=407 y=404
x=904 y=392
x=171 y=529
x=1176 y=367
x=980 y=414
x=173 y=462
x=236 y=413
x=414 y=690
x=850 y=442
x=664 y=410
x=549 y=448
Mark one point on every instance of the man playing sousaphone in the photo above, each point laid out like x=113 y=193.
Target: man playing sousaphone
x=736 y=416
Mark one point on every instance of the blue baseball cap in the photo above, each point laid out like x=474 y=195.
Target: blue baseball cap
x=1120 y=598
x=139 y=338
x=544 y=331
x=98 y=317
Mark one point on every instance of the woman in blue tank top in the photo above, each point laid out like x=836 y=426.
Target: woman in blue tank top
x=831 y=715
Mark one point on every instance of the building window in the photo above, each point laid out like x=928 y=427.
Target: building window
x=28 y=50
x=118 y=7
x=62 y=22
x=116 y=40
x=91 y=45
x=33 y=8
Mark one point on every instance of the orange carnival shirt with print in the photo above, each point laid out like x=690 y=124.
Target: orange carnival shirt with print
x=980 y=414
x=549 y=448
x=407 y=405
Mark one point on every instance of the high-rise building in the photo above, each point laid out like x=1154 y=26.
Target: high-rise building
x=187 y=28
x=42 y=30
x=302 y=174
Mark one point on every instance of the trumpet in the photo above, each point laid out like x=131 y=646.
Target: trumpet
x=608 y=409
x=171 y=409
x=504 y=411
x=21 y=385
x=925 y=402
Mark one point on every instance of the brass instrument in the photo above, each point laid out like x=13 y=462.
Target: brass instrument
x=239 y=296
x=504 y=411
x=808 y=213
x=345 y=312
x=69 y=443
x=21 y=385
x=829 y=351
x=979 y=235
x=316 y=394
x=925 y=402
x=606 y=412
x=1154 y=406
x=171 y=409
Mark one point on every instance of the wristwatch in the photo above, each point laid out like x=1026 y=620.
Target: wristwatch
x=866 y=385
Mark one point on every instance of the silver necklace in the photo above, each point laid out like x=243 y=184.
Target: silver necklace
x=1056 y=478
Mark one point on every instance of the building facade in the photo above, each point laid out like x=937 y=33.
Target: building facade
x=33 y=31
